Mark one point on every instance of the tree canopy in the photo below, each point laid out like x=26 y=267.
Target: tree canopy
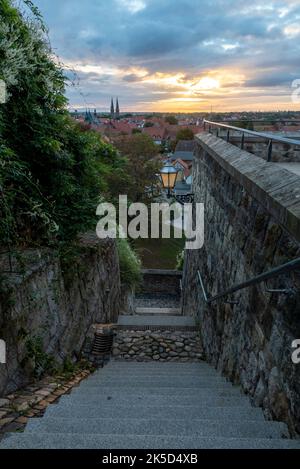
x=185 y=134
x=52 y=171
x=142 y=163
x=171 y=120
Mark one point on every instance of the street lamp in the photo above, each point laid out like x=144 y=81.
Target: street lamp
x=168 y=176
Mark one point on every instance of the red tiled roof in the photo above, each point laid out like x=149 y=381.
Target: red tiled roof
x=183 y=163
x=185 y=166
x=155 y=132
x=120 y=127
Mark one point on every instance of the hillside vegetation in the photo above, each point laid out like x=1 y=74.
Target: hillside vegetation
x=53 y=171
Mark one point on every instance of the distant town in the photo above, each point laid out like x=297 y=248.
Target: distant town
x=174 y=133
x=164 y=127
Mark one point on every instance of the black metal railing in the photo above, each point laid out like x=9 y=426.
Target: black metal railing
x=269 y=138
x=287 y=267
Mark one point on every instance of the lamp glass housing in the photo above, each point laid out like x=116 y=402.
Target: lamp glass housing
x=168 y=176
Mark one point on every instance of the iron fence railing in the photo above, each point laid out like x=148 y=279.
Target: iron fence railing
x=269 y=138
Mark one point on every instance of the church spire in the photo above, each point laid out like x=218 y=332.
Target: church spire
x=112 y=109
x=117 y=109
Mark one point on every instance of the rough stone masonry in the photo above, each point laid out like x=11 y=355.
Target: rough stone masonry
x=47 y=310
x=159 y=345
x=252 y=214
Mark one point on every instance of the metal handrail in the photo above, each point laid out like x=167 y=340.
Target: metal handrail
x=271 y=138
x=287 y=267
x=289 y=141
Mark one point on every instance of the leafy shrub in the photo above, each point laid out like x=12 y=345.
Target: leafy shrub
x=52 y=170
x=130 y=264
x=180 y=260
x=43 y=362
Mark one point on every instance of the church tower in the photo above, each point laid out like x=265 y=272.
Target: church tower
x=112 y=109
x=117 y=109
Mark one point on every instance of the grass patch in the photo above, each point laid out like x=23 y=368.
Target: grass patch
x=130 y=263
x=159 y=253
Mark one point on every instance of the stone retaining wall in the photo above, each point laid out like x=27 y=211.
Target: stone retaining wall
x=161 y=281
x=47 y=310
x=161 y=345
x=252 y=216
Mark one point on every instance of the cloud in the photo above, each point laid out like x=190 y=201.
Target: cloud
x=132 y=48
x=131 y=77
x=133 y=6
x=272 y=79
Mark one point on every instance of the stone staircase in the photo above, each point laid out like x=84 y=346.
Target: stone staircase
x=158 y=331
x=160 y=334
x=156 y=393
x=129 y=405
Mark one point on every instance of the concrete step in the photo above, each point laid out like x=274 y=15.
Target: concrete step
x=153 y=405
x=158 y=399
x=129 y=410
x=178 y=381
x=158 y=311
x=154 y=426
x=159 y=366
x=186 y=382
x=189 y=391
x=156 y=321
x=144 y=371
x=158 y=383
x=202 y=393
x=134 y=375
x=149 y=369
x=95 y=441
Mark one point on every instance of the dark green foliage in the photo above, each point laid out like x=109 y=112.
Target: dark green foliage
x=130 y=264
x=143 y=165
x=185 y=134
x=52 y=171
x=41 y=361
x=180 y=260
x=171 y=120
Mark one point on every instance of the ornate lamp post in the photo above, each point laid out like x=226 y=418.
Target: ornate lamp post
x=168 y=176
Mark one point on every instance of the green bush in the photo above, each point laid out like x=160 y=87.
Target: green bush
x=180 y=260
x=43 y=362
x=130 y=264
x=52 y=170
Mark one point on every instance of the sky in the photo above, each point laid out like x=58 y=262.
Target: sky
x=177 y=55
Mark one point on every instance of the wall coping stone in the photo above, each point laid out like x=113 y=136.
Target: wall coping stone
x=276 y=189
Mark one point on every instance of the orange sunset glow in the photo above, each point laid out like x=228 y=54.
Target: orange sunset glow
x=195 y=57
